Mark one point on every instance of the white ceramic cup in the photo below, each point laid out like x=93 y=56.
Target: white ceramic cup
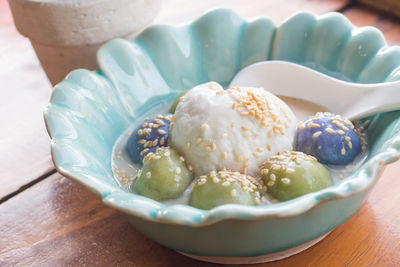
x=67 y=33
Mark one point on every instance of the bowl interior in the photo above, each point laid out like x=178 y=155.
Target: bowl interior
x=89 y=110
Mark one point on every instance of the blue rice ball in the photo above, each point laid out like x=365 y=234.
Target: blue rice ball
x=150 y=135
x=328 y=137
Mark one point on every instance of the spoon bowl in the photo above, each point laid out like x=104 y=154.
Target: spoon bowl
x=351 y=100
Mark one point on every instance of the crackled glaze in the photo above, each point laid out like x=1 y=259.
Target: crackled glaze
x=89 y=110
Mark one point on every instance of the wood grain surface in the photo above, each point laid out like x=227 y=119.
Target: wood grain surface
x=56 y=222
x=364 y=16
x=25 y=91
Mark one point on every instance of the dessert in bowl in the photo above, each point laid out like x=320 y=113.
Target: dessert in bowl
x=89 y=111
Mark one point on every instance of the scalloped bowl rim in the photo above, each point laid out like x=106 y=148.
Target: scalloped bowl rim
x=358 y=182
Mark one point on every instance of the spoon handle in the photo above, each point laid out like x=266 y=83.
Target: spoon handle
x=351 y=100
x=376 y=99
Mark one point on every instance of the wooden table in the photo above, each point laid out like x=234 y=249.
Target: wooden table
x=47 y=220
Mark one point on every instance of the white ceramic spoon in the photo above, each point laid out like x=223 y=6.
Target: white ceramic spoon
x=351 y=100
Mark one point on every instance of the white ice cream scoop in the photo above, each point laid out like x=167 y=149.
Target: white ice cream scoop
x=351 y=100
x=236 y=129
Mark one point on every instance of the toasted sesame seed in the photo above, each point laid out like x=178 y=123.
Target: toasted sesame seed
x=213 y=86
x=182 y=159
x=247 y=135
x=272 y=177
x=341 y=132
x=232 y=124
x=159 y=122
x=245 y=128
x=366 y=123
x=330 y=130
x=349 y=144
x=225 y=135
x=213 y=146
x=204 y=127
x=215 y=179
x=319 y=148
x=256 y=155
x=140 y=132
x=242 y=158
x=285 y=180
x=348 y=123
x=167 y=154
x=343 y=151
x=148 y=156
x=201 y=181
x=347 y=138
x=148 y=175
x=290 y=170
x=144 y=151
x=155 y=142
x=233 y=193
x=270 y=183
x=162 y=141
x=301 y=126
x=313 y=125
x=178 y=170
x=269 y=147
x=316 y=134
x=226 y=183
x=148 y=144
x=162 y=132
x=264 y=171
x=142 y=141
x=190 y=167
x=225 y=155
x=339 y=124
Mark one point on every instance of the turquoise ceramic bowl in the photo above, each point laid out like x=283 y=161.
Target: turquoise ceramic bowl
x=89 y=110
